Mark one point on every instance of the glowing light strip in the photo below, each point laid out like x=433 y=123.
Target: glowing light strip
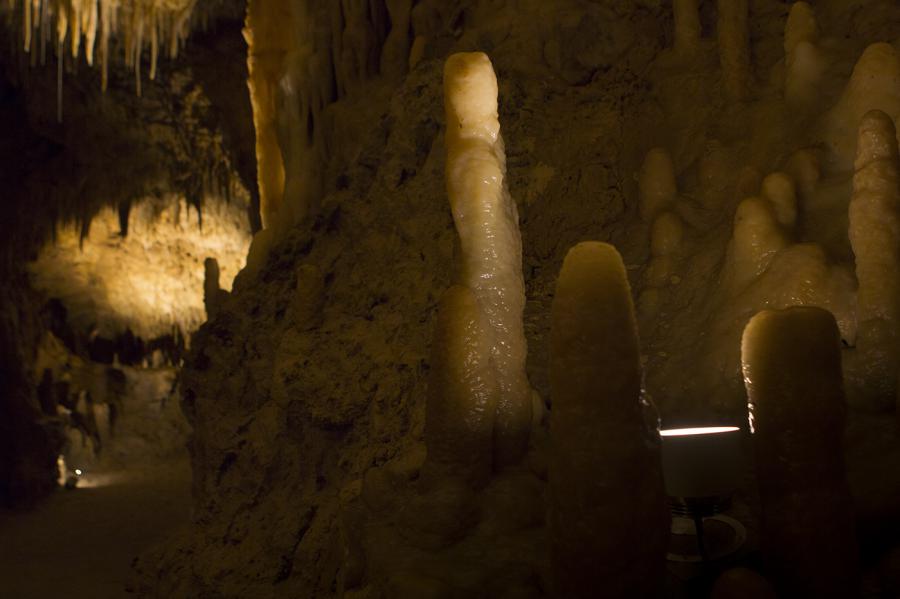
x=702 y=430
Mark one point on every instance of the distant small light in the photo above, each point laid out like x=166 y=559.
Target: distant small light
x=703 y=430
x=78 y=472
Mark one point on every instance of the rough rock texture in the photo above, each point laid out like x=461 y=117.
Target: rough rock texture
x=306 y=392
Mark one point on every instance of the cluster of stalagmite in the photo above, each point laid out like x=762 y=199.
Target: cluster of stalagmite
x=608 y=521
x=792 y=370
x=875 y=237
x=490 y=268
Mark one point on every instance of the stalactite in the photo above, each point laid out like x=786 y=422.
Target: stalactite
x=487 y=222
x=80 y=21
x=608 y=520
x=792 y=370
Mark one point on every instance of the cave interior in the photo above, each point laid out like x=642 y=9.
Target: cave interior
x=380 y=299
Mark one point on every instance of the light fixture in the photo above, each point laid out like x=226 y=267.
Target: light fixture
x=702 y=468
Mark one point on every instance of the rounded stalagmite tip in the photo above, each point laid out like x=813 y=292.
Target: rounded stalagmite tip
x=470 y=95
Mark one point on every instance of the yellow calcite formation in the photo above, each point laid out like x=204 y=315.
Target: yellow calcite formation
x=778 y=188
x=874 y=85
x=792 y=370
x=487 y=222
x=666 y=238
x=268 y=42
x=462 y=398
x=804 y=64
x=806 y=172
x=656 y=183
x=607 y=514
x=875 y=237
x=757 y=238
x=801 y=26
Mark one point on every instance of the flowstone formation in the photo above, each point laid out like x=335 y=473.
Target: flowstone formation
x=326 y=392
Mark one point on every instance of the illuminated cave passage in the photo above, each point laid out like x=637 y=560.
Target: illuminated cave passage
x=413 y=286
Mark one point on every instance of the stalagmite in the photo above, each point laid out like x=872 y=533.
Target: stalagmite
x=666 y=237
x=213 y=295
x=778 y=188
x=734 y=47
x=804 y=69
x=757 y=238
x=803 y=167
x=395 y=55
x=357 y=45
x=874 y=85
x=487 y=222
x=462 y=392
x=792 y=370
x=608 y=520
x=804 y=64
x=875 y=238
x=267 y=45
x=687 y=26
x=259 y=250
x=656 y=183
x=801 y=26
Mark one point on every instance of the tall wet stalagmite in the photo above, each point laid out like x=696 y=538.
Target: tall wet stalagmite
x=875 y=237
x=487 y=222
x=792 y=369
x=608 y=519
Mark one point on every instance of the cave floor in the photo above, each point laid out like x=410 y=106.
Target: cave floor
x=81 y=543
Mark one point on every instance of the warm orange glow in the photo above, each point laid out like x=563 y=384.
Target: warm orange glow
x=700 y=430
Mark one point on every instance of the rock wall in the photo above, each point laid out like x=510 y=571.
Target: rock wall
x=306 y=392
